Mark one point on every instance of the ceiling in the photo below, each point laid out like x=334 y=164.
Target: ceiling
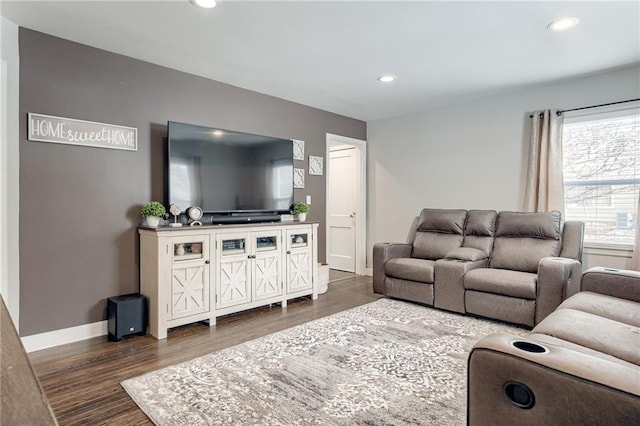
x=328 y=54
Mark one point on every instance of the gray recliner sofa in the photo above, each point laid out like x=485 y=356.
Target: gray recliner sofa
x=512 y=266
x=579 y=366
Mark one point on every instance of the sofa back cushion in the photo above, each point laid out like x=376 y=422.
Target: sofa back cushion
x=480 y=229
x=438 y=232
x=523 y=239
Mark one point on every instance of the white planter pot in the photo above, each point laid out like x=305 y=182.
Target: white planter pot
x=323 y=278
x=301 y=217
x=153 y=221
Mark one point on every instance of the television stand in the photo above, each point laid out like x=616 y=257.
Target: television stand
x=192 y=274
x=240 y=218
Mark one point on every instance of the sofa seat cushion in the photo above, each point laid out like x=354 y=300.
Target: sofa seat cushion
x=621 y=310
x=594 y=332
x=408 y=268
x=502 y=281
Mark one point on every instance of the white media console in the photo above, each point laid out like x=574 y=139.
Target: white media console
x=192 y=274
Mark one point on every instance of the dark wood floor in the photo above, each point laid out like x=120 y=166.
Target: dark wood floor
x=82 y=380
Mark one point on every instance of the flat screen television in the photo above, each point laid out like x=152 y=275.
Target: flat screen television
x=228 y=172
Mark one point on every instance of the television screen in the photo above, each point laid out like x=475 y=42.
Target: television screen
x=223 y=171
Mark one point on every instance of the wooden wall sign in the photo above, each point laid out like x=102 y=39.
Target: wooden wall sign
x=47 y=128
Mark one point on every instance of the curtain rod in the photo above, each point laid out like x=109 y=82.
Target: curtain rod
x=559 y=112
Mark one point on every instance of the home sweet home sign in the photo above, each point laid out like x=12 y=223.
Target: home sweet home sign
x=47 y=128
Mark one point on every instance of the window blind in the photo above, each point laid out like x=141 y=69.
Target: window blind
x=601 y=165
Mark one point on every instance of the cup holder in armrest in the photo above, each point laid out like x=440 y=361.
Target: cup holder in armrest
x=531 y=347
x=519 y=395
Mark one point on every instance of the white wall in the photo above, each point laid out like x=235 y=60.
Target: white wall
x=469 y=155
x=9 y=159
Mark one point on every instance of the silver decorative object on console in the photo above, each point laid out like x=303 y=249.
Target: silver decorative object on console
x=175 y=210
x=195 y=214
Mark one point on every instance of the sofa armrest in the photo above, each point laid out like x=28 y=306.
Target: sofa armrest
x=572 y=240
x=558 y=278
x=381 y=253
x=621 y=283
x=568 y=386
x=466 y=253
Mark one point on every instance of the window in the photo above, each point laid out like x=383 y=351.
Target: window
x=601 y=162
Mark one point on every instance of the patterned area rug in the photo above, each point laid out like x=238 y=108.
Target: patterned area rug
x=384 y=363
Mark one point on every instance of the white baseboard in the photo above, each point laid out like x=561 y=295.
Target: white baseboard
x=49 y=339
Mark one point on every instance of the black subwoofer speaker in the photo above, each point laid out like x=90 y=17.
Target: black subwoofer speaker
x=126 y=315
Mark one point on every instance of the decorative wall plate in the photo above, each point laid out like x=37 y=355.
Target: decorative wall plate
x=298 y=149
x=315 y=165
x=298 y=178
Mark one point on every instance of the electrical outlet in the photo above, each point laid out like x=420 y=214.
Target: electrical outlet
x=308 y=199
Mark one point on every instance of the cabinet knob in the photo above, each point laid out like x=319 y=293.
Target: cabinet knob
x=206 y=262
x=288 y=251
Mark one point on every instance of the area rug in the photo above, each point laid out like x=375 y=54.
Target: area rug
x=384 y=363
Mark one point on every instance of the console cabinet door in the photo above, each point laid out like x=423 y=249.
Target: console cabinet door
x=267 y=264
x=233 y=273
x=298 y=258
x=189 y=276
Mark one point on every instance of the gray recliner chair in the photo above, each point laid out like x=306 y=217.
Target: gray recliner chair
x=579 y=366
x=534 y=265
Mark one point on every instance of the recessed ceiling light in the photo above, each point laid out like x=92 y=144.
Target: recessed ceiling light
x=387 y=78
x=563 y=24
x=207 y=4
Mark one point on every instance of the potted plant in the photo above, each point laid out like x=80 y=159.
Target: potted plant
x=300 y=210
x=153 y=211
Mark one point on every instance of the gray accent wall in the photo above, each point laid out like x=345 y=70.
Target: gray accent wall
x=80 y=206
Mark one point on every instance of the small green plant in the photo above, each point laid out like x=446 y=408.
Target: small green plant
x=298 y=208
x=153 y=208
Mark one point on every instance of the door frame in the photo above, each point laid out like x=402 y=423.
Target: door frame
x=361 y=205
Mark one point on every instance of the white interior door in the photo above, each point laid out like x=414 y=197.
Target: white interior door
x=344 y=182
